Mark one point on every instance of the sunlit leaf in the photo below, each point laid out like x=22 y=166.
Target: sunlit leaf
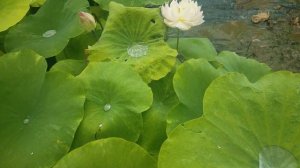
x=135 y=36
x=244 y=125
x=108 y=153
x=11 y=12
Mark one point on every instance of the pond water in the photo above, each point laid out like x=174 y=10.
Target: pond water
x=275 y=41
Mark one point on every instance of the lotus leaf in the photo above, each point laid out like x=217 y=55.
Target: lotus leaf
x=49 y=30
x=244 y=124
x=37 y=3
x=194 y=48
x=135 y=35
x=190 y=82
x=11 y=12
x=154 y=132
x=108 y=153
x=235 y=63
x=39 y=111
x=195 y=75
x=116 y=97
x=77 y=46
x=74 y=67
x=105 y=3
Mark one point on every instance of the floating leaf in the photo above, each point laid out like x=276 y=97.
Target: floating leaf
x=194 y=48
x=108 y=153
x=116 y=97
x=37 y=3
x=74 y=67
x=178 y=115
x=136 y=36
x=190 y=82
x=49 y=30
x=39 y=111
x=77 y=46
x=135 y=3
x=154 y=132
x=194 y=76
x=235 y=63
x=11 y=12
x=244 y=125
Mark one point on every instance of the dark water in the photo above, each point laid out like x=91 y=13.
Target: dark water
x=275 y=42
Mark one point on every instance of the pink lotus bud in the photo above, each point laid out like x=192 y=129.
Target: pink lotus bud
x=88 y=21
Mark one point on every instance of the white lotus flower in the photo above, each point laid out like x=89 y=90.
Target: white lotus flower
x=182 y=15
x=88 y=21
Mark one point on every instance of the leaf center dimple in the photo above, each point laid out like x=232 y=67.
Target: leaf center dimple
x=137 y=50
x=49 y=33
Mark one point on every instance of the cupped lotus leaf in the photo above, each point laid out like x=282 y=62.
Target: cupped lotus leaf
x=74 y=67
x=49 y=30
x=135 y=35
x=245 y=124
x=134 y=3
x=11 y=12
x=194 y=48
x=116 y=97
x=235 y=63
x=108 y=153
x=39 y=111
x=164 y=98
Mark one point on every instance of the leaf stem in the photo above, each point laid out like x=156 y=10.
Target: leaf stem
x=177 y=47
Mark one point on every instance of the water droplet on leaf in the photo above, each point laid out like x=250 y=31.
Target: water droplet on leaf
x=107 y=107
x=276 y=157
x=137 y=50
x=26 y=121
x=49 y=33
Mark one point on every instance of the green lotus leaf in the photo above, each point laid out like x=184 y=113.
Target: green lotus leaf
x=39 y=111
x=194 y=48
x=37 y=3
x=244 y=125
x=77 y=46
x=116 y=97
x=2 y=35
x=108 y=153
x=191 y=80
x=154 y=132
x=178 y=115
x=74 y=67
x=11 y=12
x=251 y=68
x=105 y=3
x=135 y=35
x=195 y=75
x=49 y=30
